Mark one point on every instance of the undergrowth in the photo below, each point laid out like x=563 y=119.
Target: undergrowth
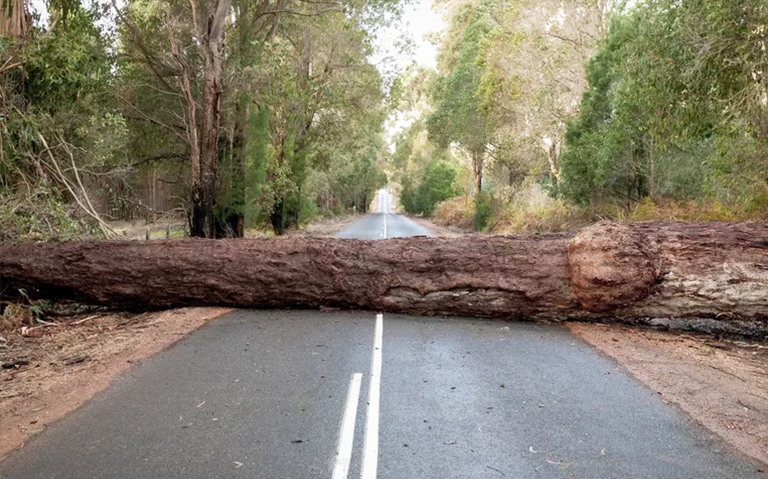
x=40 y=215
x=532 y=210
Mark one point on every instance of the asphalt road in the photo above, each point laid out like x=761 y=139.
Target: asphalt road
x=382 y=223
x=307 y=394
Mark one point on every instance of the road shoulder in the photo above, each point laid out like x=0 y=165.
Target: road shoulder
x=722 y=384
x=59 y=368
x=436 y=230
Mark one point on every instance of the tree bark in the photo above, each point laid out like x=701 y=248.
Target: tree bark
x=14 y=18
x=605 y=272
x=554 y=168
x=211 y=30
x=478 y=158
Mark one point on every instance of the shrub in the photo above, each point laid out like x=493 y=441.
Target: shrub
x=458 y=212
x=483 y=211
x=436 y=184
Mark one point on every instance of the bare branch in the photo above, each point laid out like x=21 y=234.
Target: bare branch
x=303 y=14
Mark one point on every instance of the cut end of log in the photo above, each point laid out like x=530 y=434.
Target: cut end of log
x=611 y=266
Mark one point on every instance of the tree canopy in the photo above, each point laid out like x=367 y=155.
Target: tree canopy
x=230 y=111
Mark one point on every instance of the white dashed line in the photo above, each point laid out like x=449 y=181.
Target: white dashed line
x=347 y=433
x=371 y=448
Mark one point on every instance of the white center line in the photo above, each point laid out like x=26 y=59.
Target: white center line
x=371 y=448
x=347 y=433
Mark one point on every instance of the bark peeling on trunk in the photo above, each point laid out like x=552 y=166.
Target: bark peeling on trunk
x=604 y=272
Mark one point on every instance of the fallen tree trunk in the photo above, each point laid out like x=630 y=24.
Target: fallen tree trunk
x=605 y=272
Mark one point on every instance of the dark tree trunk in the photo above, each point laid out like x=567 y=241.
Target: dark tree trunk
x=277 y=218
x=235 y=219
x=211 y=31
x=478 y=158
x=605 y=272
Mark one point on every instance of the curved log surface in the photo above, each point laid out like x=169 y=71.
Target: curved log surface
x=605 y=272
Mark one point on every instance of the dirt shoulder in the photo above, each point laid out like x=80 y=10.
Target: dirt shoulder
x=326 y=227
x=437 y=230
x=722 y=384
x=55 y=369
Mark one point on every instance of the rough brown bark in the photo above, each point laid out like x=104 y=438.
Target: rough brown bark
x=607 y=271
x=478 y=158
x=210 y=33
x=14 y=18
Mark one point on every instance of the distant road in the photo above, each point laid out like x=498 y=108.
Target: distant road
x=382 y=223
x=310 y=394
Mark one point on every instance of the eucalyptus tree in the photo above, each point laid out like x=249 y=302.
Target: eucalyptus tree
x=322 y=92
x=533 y=77
x=180 y=47
x=677 y=107
x=458 y=116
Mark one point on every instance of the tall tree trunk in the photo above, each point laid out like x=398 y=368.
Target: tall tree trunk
x=14 y=20
x=478 y=158
x=211 y=30
x=554 y=168
x=277 y=217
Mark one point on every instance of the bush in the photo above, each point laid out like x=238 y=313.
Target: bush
x=41 y=215
x=483 y=211
x=436 y=184
x=458 y=212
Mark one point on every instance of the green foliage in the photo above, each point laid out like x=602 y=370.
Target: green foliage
x=68 y=65
x=483 y=210
x=326 y=116
x=435 y=184
x=458 y=115
x=41 y=215
x=676 y=107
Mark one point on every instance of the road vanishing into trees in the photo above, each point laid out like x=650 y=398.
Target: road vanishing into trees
x=383 y=223
x=331 y=394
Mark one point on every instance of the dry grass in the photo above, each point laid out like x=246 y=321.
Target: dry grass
x=671 y=210
x=457 y=212
x=532 y=210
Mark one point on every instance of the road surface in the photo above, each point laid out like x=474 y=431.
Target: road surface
x=307 y=394
x=382 y=223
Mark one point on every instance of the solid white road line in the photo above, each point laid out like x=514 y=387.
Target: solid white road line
x=371 y=448
x=347 y=433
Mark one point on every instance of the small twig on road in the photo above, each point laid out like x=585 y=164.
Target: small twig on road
x=728 y=373
x=74 y=360
x=494 y=469
x=81 y=321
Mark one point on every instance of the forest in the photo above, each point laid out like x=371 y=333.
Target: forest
x=548 y=115
x=541 y=115
x=233 y=114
